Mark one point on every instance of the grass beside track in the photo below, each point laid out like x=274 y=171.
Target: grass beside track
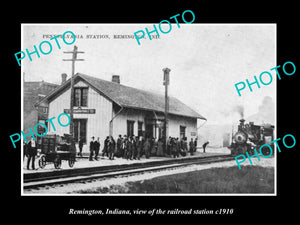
x=250 y=179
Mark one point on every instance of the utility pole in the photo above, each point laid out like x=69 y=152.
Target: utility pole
x=74 y=58
x=166 y=83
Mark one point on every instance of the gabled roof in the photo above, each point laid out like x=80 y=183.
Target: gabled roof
x=129 y=97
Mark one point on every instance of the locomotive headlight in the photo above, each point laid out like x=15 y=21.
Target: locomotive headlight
x=240 y=137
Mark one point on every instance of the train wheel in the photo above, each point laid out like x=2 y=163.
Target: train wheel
x=71 y=161
x=241 y=150
x=265 y=151
x=57 y=162
x=42 y=162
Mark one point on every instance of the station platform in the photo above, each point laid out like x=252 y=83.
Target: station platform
x=83 y=162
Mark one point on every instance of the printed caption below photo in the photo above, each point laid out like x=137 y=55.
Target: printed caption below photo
x=151 y=212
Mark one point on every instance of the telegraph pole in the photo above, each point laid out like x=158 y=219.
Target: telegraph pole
x=74 y=58
x=166 y=83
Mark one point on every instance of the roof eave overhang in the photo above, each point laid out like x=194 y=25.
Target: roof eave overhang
x=159 y=111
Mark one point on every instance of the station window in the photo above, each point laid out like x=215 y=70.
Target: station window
x=182 y=132
x=140 y=128
x=80 y=96
x=43 y=109
x=130 y=128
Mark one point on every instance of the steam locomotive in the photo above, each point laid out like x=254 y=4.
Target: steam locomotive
x=250 y=137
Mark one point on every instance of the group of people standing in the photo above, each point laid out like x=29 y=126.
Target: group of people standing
x=181 y=147
x=134 y=147
x=109 y=148
x=129 y=148
x=126 y=147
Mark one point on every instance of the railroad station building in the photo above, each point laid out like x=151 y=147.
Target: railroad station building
x=103 y=108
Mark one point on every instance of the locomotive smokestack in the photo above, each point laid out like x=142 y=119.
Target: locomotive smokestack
x=241 y=126
x=242 y=121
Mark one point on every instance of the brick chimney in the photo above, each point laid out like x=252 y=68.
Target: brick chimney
x=63 y=78
x=115 y=78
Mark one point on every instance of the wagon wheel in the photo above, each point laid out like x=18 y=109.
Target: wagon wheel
x=57 y=162
x=42 y=162
x=71 y=161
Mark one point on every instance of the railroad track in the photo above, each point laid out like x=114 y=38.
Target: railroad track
x=35 y=180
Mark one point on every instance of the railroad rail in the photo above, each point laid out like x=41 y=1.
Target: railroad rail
x=35 y=180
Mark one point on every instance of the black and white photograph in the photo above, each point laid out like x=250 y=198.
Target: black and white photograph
x=188 y=112
x=155 y=112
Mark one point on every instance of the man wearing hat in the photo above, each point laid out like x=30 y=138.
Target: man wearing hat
x=32 y=151
x=92 y=149
x=97 y=148
x=204 y=146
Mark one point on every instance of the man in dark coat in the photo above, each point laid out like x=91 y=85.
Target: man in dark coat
x=183 y=145
x=129 y=148
x=111 y=148
x=204 y=146
x=175 y=147
x=169 y=151
x=119 y=146
x=124 y=147
x=195 y=145
x=105 y=147
x=31 y=151
x=80 y=145
x=139 y=146
x=92 y=148
x=134 y=150
x=191 y=144
x=97 y=148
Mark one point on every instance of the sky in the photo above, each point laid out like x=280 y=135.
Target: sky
x=206 y=61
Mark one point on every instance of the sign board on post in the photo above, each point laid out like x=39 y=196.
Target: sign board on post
x=193 y=133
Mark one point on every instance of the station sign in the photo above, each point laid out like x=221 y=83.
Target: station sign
x=81 y=111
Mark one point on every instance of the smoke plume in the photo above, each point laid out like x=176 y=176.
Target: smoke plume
x=239 y=109
x=266 y=112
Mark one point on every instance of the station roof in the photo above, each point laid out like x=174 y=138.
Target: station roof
x=129 y=97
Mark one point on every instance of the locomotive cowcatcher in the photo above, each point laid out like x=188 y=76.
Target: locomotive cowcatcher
x=250 y=137
x=54 y=149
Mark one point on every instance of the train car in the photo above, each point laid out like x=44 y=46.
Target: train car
x=250 y=137
x=54 y=149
